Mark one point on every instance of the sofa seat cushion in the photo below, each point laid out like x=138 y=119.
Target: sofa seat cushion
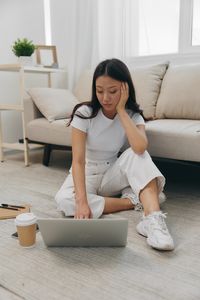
x=180 y=93
x=56 y=132
x=175 y=139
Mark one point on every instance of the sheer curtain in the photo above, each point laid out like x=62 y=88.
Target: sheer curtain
x=129 y=28
x=118 y=28
x=84 y=45
x=88 y=31
x=75 y=33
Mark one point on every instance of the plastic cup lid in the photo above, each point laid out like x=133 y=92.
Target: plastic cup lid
x=25 y=219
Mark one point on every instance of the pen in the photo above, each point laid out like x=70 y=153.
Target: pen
x=9 y=208
x=10 y=205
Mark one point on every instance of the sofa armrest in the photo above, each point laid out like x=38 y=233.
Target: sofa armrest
x=31 y=112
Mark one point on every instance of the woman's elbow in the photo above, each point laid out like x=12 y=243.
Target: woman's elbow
x=140 y=149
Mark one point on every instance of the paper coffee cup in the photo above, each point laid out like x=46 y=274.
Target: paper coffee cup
x=26 y=229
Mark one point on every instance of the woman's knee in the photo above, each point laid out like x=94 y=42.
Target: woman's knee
x=129 y=156
x=65 y=203
x=63 y=196
x=130 y=152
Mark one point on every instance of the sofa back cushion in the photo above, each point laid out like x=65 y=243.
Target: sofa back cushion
x=53 y=103
x=180 y=93
x=147 y=82
x=83 y=88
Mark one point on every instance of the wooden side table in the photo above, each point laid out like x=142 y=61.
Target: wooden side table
x=20 y=107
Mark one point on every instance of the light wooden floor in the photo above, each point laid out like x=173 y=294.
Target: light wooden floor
x=134 y=272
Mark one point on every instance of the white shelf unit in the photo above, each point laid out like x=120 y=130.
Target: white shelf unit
x=19 y=106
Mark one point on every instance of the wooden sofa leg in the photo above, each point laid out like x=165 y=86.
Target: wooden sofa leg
x=47 y=154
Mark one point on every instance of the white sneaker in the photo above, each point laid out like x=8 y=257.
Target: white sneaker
x=155 y=229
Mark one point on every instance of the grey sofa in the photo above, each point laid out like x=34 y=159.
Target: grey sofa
x=169 y=96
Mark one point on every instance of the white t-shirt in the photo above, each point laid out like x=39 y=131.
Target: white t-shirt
x=105 y=137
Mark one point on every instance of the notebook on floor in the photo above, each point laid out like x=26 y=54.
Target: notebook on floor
x=69 y=232
x=12 y=213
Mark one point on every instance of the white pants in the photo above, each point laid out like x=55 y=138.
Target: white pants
x=130 y=172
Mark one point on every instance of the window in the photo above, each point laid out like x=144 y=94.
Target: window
x=47 y=21
x=196 y=23
x=129 y=28
x=158 y=26
x=138 y=27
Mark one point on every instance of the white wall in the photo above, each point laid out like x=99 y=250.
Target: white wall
x=18 y=19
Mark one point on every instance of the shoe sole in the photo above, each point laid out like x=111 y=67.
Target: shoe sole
x=141 y=232
x=167 y=248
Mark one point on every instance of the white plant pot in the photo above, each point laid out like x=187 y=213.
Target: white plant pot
x=25 y=60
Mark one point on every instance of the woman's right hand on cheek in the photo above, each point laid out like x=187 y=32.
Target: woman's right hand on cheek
x=123 y=97
x=82 y=211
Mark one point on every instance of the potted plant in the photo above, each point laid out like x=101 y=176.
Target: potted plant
x=23 y=49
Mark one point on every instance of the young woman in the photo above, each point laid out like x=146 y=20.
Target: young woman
x=100 y=129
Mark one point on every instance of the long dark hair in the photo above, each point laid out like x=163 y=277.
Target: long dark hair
x=117 y=70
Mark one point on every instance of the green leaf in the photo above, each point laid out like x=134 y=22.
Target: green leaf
x=23 y=47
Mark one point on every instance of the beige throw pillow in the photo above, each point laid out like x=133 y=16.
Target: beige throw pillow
x=180 y=93
x=54 y=104
x=147 y=82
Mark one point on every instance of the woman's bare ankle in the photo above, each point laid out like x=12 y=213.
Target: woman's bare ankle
x=128 y=204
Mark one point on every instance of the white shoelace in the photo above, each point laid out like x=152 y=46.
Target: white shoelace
x=157 y=222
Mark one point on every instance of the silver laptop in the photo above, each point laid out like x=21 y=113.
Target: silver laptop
x=70 y=232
